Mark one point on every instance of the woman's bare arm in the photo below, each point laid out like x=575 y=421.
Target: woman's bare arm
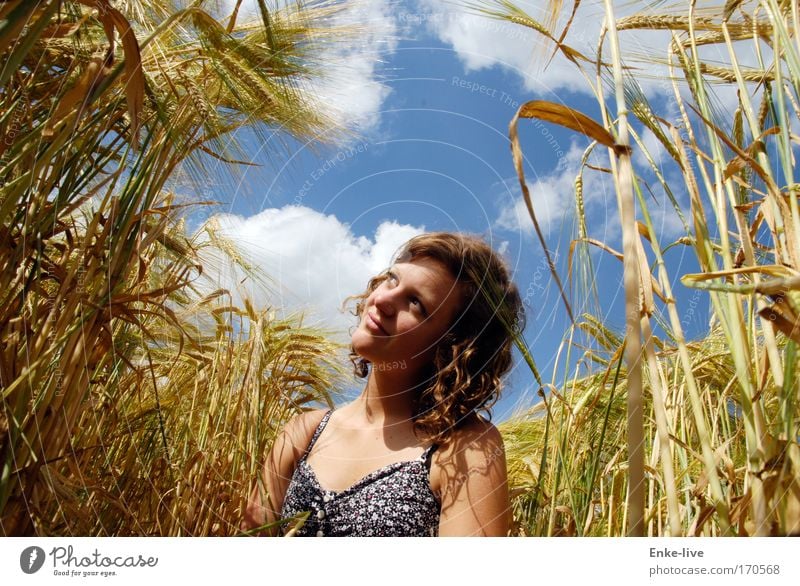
x=474 y=483
x=266 y=498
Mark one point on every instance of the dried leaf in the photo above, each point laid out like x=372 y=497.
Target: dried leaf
x=739 y=162
x=62 y=30
x=133 y=77
x=78 y=96
x=702 y=518
x=784 y=319
x=569 y=118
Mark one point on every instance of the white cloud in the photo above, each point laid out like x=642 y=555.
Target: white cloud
x=352 y=85
x=311 y=261
x=550 y=202
x=483 y=42
x=552 y=196
x=351 y=91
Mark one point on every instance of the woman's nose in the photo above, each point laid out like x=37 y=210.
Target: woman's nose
x=384 y=301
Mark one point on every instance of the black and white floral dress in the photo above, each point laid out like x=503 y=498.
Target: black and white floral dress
x=393 y=501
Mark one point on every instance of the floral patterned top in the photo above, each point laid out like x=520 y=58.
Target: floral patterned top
x=393 y=501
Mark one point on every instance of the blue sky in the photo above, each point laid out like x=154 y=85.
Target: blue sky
x=430 y=93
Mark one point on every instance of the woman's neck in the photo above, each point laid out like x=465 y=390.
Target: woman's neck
x=388 y=397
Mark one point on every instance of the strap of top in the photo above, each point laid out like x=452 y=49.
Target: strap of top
x=318 y=431
x=428 y=455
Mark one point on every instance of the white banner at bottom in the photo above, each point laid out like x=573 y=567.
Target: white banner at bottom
x=389 y=561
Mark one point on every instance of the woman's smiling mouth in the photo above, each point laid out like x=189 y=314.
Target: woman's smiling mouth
x=375 y=325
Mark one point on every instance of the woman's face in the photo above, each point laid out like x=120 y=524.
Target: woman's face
x=405 y=317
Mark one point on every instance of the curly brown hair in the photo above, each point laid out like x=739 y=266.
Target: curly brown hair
x=474 y=354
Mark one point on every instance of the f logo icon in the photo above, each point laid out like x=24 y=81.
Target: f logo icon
x=31 y=559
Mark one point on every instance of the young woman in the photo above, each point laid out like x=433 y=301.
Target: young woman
x=411 y=456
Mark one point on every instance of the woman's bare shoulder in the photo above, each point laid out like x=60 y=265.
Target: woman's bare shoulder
x=471 y=478
x=312 y=417
x=476 y=444
x=299 y=429
x=475 y=433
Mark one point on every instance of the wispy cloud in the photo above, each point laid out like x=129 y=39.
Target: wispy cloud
x=483 y=42
x=353 y=84
x=552 y=196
